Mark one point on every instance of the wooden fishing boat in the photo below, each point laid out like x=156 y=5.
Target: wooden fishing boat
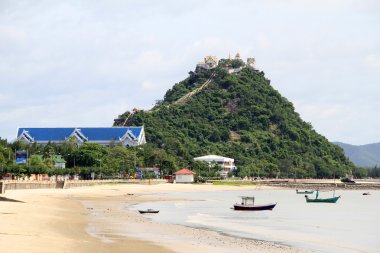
x=248 y=204
x=325 y=200
x=347 y=180
x=148 y=211
x=304 y=192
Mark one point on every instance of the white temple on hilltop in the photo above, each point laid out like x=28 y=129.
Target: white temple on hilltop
x=251 y=62
x=211 y=62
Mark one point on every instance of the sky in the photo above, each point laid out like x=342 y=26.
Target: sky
x=83 y=63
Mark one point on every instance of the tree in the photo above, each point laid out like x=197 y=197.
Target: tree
x=121 y=159
x=36 y=160
x=91 y=154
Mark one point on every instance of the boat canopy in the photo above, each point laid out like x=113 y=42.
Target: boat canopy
x=247 y=198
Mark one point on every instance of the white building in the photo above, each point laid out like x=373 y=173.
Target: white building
x=227 y=164
x=209 y=62
x=234 y=70
x=251 y=62
x=59 y=162
x=184 y=176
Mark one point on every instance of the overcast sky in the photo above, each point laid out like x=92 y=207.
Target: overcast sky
x=82 y=63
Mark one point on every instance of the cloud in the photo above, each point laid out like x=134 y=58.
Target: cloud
x=373 y=61
x=148 y=86
x=11 y=35
x=66 y=63
x=264 y=42
x=212 y=44
x=331 y=120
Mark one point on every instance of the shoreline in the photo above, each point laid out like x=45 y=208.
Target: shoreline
x=50 y=220
x=181 y=238
x=98 y=219
x=360 y=184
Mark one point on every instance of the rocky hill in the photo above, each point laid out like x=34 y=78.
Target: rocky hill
x=231 y=109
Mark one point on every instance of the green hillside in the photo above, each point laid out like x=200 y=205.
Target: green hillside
x=241 y=116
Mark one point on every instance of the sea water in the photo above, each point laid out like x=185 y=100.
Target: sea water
x=350 y=225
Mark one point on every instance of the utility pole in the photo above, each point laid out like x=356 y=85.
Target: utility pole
x=135 y=159
x=123 y=165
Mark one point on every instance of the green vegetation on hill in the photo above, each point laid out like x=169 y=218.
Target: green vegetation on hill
x=240 y=116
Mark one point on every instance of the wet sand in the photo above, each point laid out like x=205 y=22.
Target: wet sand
x=96 y=219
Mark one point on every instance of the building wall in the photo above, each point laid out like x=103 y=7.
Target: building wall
x=6 y=185
x=184 y=178
x=60 y=165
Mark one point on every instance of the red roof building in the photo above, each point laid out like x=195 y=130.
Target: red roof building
x=184 y=176
x=184 y=171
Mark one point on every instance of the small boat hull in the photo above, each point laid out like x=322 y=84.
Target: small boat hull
x=328 y=200
x=304 y=192
x=254 y=207
x=148 y=211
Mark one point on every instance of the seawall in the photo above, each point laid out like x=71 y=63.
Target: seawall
x=6 y=185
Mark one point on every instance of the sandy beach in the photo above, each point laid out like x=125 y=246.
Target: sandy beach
x=96 y=219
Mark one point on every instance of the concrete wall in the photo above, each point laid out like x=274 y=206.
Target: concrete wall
x=184 y=178
x=2 y=187
x=16 y=185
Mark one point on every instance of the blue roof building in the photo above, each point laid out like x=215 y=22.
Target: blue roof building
x=127 y=136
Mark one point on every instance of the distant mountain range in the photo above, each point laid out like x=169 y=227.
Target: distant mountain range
x=362 y=155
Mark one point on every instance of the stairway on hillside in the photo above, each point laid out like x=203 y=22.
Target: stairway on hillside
x=187 y=96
